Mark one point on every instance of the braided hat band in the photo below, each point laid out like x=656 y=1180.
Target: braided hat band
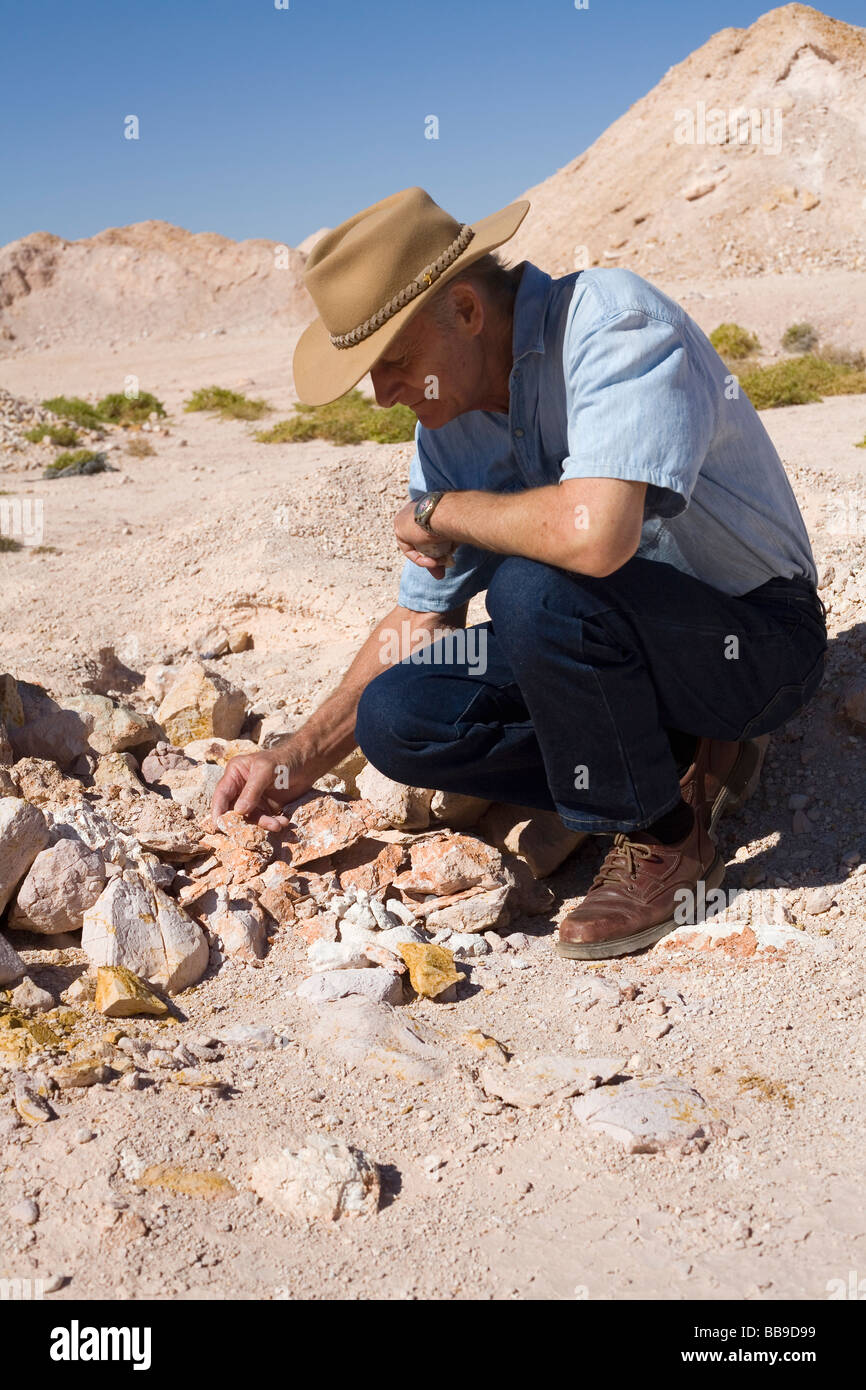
x=422 y=282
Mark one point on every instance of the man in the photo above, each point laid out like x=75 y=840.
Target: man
x=583 y=456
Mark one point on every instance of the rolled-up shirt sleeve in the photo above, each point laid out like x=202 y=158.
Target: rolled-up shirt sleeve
x=640 y=407
x=472 y=568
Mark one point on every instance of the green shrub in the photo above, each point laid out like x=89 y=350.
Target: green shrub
x=125 y=410
x=62 y=435
x=800 y=337
x=861 y=444
x=9 y=543
x=73 y=408
x=349 y=420
x=798 y=381
x=732 y=341
x=231 y=405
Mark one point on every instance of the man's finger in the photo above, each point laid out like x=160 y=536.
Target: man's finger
x=224 y=793
x=258 y=781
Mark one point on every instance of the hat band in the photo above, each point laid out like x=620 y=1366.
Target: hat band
x=405 y=296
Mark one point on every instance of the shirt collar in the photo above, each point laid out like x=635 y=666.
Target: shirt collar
x=530 y=307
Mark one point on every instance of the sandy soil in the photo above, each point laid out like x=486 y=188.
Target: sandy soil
x=527 y=1203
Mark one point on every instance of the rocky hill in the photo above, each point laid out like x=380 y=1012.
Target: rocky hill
x=748 y=157
x=147 y=280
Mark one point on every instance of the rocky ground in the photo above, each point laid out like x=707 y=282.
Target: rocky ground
x=183 y=1168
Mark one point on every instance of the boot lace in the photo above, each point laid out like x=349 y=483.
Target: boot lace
x=622 y=861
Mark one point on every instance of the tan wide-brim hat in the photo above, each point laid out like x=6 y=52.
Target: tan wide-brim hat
x=370 y=275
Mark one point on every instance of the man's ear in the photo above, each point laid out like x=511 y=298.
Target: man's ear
x=469 y=307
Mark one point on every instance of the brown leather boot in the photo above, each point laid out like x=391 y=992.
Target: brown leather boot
x=723 y=776
x=631 y=901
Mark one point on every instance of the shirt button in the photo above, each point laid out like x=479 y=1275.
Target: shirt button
x=518 y=434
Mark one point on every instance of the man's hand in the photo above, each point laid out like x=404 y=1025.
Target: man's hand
x=260 y=784
x=418 y=545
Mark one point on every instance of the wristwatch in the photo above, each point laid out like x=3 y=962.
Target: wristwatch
x=424 y=510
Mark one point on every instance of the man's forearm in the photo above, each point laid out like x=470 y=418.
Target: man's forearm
x=329 y=733
x=575 y=525
x=509 y=523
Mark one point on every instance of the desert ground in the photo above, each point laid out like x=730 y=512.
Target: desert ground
x=146 y=1193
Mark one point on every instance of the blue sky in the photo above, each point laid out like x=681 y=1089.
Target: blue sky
x=256 y=121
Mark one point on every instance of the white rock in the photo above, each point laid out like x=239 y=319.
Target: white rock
x=465 y=944
x=376 y=1037
x=480 y=911
x=543 y=1080
x=395 y=936
x=647 y=1115
x=12 y=966
x=338 y=903
x=136 y=924
x=28 y=995
x=361 y=915
x=239 y=926
x=336 y=955
x=26 y=1211
x=375 y=983
x=23 y=833
x=62 y=883
x=819 y=900
x=401 y=910
x=384 y=919
x=403 y=807
x=319 y=1179
x=255 y=1035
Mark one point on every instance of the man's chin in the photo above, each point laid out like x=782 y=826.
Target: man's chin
x=432 y=414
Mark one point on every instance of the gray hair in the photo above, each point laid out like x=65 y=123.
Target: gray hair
x=489 y=274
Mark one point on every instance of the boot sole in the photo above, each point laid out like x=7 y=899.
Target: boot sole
x=628 y=945
x=744 y=778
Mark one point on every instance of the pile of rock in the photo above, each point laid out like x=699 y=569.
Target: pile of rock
x=104 y=831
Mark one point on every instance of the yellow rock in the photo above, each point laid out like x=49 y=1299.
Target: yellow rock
x=431 y=968
x=119 y=994
x=485 y=1043
x=201 y=704
x=88 y=1072
x=189 y=1076
x=186 y=1181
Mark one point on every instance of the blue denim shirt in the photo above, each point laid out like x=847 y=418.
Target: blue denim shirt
x=613 y=379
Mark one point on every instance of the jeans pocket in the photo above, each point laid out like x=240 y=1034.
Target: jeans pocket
x=785 y=703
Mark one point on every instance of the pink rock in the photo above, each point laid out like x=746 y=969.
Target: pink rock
x=324 y=824
x=62 y=883
x=446 y=864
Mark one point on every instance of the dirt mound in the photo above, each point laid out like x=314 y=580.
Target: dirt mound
x=747 y=157
x=147 y=280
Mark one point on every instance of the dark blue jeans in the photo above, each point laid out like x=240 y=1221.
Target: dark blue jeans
x=569 y=697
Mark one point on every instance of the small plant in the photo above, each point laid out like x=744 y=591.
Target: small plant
x=44 y=550
x=129 y=410
x=349 y=420
x=853 y=358
x=9 y=543
x=231 y=405
x=733 y=342
x=862 y=443
x=139 y=447
x=73 y=408
x=799 y=381
x=62 y=435
x=800 y=338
